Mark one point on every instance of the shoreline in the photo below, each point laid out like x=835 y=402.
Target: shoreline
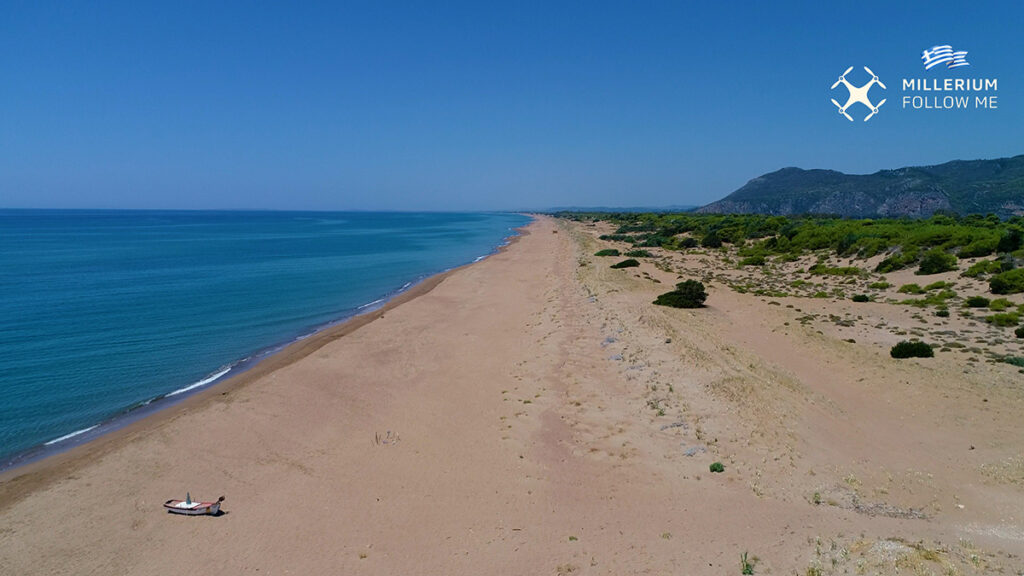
x=538 y=411
x=38 y=466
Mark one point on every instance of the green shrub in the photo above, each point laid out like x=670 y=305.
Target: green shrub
x=688 y=243
x=1011 y=241
x=711 y=240
x=936 y=261
x=999 y=304
x=897 y=261
x=821 y=269
x=630 y=263
x=976 y=302
x=937 y=286
x=1019 y=332
x=637 y=254
x=1010 y=282
x=879 y=285
x=655 y=241
x=757 y=260
x=911 y=289
x=978 y=248
x=931 y=299
x=717 y=467
x=689 y=294
x=1014 y=360
x=861 y=298
x=820 y=294
x=982 y=268
x=907 y=349
x=607 y=252
x=1003 y=319
x=942 y=313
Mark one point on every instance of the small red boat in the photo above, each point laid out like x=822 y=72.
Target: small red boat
x=190 y=508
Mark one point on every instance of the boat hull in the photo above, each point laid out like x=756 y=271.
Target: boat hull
x=203 y=508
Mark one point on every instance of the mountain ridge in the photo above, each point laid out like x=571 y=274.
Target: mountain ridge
x=961 y=186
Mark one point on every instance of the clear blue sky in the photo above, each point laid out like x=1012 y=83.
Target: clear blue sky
x=475 y=105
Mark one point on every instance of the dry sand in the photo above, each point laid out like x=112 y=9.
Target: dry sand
x=545 y=418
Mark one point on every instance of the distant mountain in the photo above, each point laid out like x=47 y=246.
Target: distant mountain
x=961 y=186
x=622 y=209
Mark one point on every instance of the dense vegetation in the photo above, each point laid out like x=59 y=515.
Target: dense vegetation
x=928 y=246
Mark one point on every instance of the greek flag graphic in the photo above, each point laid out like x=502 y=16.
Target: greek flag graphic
x=944 y=55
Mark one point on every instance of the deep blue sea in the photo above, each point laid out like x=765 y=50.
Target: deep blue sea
x=102 y=312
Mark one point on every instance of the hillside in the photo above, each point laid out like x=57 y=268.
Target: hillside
x=962 y=186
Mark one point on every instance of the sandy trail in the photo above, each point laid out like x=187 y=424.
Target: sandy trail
x=550 y=420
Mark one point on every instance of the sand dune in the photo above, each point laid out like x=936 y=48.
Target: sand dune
x=534 y=414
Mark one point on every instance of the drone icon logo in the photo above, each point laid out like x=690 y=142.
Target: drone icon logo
x=858 y=94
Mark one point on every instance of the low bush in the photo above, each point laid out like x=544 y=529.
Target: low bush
x=932 y=299
x=907 y=349
x=1010 y=282
x=936 y=261
x=616 y=237
x=861 y=298
x=821 y=269
x=897 y=261
x=630 y=263
x=655 y=241
x=982 y=268
x=978 y=248
x=711 y=240
x=911 y=289
x=977 y=302
x=638 y=254
x=1010 y=241
x=942 y=313
x=717 y=467
x=689 y=294
x=879 y=285
x=999 y=304
x=1019 y=332
x=1003 y=319
x=607 y=252
x=688 y=243
x=753 y=261
x=937 y=286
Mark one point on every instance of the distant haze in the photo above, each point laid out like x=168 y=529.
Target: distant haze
x=472 y=106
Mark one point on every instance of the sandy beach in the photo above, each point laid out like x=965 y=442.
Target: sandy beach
x=533 y=413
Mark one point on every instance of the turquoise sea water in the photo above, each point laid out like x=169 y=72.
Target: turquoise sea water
x=101 y=312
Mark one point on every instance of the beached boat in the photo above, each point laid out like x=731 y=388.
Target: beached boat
x=190 y=508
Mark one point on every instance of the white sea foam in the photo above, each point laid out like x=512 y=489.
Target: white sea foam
x=202 y=382
x=72 y=435
x=375 y=302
